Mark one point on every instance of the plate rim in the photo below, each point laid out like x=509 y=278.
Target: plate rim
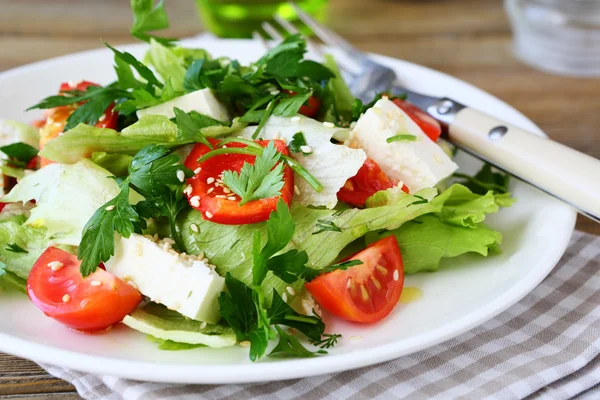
x=295 y=368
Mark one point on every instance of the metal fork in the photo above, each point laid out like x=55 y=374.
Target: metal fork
x=562 y=172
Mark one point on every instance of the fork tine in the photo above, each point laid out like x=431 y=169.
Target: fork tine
x=326 y=35
x=272 y=31
x=259 y=38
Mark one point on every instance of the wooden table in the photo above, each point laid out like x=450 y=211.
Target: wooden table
x=469 y=39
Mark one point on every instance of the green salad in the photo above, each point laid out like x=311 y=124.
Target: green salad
x=204 y=202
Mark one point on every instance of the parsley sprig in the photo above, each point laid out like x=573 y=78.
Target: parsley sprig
x=245 y=309
x=148 y=17
x=19 y=154
x=153 y=173
x=261 y=180
x=254 y=149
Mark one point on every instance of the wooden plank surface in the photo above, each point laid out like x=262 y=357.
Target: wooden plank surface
x=469 y=39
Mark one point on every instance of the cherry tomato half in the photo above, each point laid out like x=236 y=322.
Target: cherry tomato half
x=216 y=202
x=426 y=122
x=88 y=304
x=369 y=180
x=312 y=106
x=366 y=292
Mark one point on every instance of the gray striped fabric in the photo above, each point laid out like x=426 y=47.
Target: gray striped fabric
x=545 y=347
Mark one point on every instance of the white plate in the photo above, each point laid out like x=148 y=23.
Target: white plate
x=468 y=292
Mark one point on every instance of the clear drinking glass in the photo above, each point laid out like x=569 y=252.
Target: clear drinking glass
x=239 y=18
x=558 y=36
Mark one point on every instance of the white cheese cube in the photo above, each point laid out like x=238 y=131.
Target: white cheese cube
x=419 y=164
x=202 y=101
x=180 y=282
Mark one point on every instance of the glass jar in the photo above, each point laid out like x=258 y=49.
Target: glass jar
x=558 y=36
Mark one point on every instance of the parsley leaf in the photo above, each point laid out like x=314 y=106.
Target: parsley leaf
x=262 y=180
x=323 y=225
x=191 y=80
x=190 y=125
x=148 y=17
x=15 y=248
x=289 y=346
x=19 y=153
x=401 y=138
x=141 y=98
x=97 y=243
x=297 y=142
x=238 y=309
x=486 y=179
x=310 y=273
x=155 y=174
x=289 y=106
x=328 y=340
x=141 y=69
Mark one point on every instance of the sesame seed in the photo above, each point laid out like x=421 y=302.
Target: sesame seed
x=195 y=201
x=210 y=190
x=203 y=325
x=197 y=170
x=245 y=343
x=306 y=149
x=296 y=119
x=355 y=338
x=208 y=214
x=95 y=283
x=221 y=196
x=284 y=297
x=66 y=298
x=277 y=135
x=175 y=306
x=133 y=284
x=102 y=118
x=231 y=198
x=180 y=175
x=220 y=181
x=226 y=190
x=328 y=124
x=194 y=228
x=224 y=146
x=396 y=275
x=291 y=290
x=55 y=265
x=110 y=208
x=296 y=190
x=210 y=180
x=274 y=92
x=188 y=190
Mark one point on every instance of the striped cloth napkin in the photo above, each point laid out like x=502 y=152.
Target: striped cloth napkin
x=547 y=346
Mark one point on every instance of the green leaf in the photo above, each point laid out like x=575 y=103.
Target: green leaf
x=310 y=273
x=238 y=309
x=97 y=243
x=15 y=248
x=485 y=180
x=297 y=142
x=142 y=98
x=337 y=100
x=323 y=225
x=289 y=346
x=191 y=81
x=401 y=138
x=90 y=111
x=19 y=153
x=116 y=164
x=289 y=266
x=428 y=240
x=261 y=180
x=170 y=345
x=14 y=231
x=148 y=17
x=141 y=69
x=288 y=107
x=190 y=125
x=280 y=313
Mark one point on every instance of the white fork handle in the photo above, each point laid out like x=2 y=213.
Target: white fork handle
x=557 y=169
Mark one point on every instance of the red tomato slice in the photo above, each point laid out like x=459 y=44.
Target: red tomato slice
x=366 y=292
x=369 y=180
x=426 y=122
x=2 y=205
x=312 y=106
x=56 y=119
x=207 y=194
x=88 y=304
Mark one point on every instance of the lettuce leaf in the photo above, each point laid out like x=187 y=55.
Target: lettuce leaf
x=33 y=240
x=426 y=240
x=83 y=140
x=173 y=331
x=116 y=164
x=229 y=247
x=66 y=197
